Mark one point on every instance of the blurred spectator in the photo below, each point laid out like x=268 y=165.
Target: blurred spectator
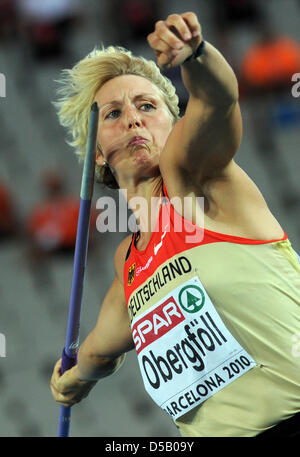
x=52 y=225
x=230 y=15
x=46 y=24
x=8 y=18
x=270 y=63
x=265 y=77
x=133 y=19
x=7 y=216
x=174 y=74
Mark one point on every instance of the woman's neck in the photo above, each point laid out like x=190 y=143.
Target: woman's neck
x=144 y=199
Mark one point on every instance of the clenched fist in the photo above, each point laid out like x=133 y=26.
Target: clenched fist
x=175 y=39
x=68 y=389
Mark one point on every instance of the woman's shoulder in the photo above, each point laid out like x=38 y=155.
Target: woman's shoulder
x=233 y=204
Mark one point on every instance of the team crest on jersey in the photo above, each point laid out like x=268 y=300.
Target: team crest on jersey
x=131 y=273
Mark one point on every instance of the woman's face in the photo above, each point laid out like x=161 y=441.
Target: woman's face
x=134 y=124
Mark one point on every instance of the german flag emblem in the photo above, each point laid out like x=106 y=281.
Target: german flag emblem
x=131 y=272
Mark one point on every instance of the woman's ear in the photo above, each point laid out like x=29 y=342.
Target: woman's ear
x=99 y=156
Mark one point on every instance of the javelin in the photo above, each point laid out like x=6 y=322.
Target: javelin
x=69 y=354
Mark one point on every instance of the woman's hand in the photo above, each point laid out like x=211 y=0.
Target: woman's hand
x=175 y=39
x=67 y=388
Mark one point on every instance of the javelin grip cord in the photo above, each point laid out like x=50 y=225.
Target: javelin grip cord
x=69 y=353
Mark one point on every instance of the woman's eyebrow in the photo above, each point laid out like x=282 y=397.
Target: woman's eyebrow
x=112 y=102
x=145 y=95
x=137 y=97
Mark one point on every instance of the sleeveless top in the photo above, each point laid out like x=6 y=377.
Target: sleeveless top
x=216 y=323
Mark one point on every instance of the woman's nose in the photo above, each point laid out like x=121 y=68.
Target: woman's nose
x=134 y=123
x=132 y=119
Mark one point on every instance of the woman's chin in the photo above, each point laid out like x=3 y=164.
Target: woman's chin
x=141 y=157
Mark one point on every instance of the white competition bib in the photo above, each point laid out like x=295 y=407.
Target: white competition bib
x=185 y=352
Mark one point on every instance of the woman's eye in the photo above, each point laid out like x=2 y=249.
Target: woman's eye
x=113 y=114
x=147 y=107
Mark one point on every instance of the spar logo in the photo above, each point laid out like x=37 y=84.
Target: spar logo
x=156 y=323
x=191 y=298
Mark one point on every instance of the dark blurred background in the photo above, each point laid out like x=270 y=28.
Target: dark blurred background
x=40 y=183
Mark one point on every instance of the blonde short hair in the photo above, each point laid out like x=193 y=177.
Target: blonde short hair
x=80 y=84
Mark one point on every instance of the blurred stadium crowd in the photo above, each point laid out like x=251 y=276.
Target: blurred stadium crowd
x=40 y=183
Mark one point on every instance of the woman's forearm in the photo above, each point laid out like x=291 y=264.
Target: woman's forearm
x=92 y=367
x=210 y=78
